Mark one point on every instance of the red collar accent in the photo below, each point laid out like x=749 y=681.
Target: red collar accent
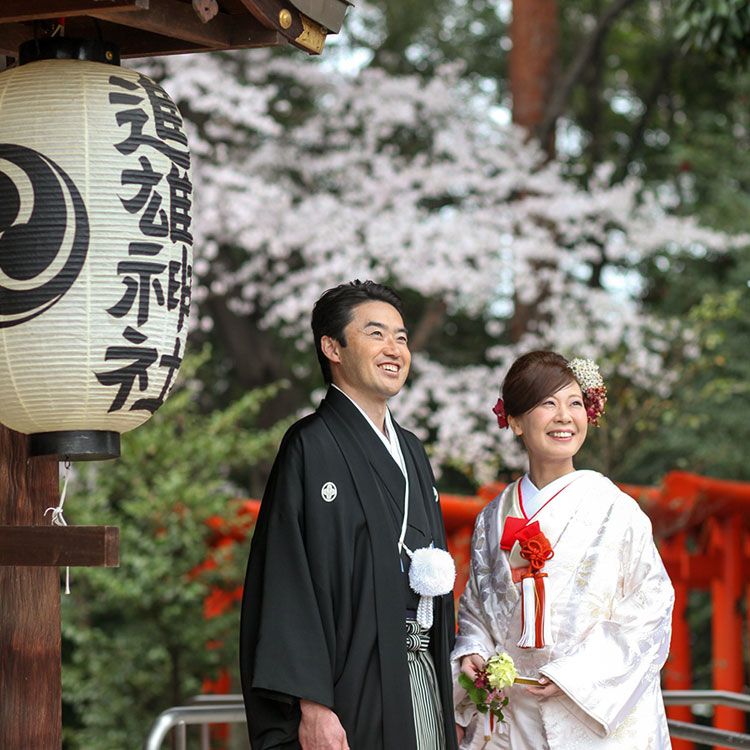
x=516 y=529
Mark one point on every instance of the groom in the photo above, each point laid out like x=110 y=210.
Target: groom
x=331 y=654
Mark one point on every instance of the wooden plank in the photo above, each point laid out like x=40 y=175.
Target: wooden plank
x=12 y=11
x=249 y=32
x=30 y=672
x=152 y=35
x=175 y=20
x=132 y=48
x=12 y=35
x=134 y=43
x=60 y=546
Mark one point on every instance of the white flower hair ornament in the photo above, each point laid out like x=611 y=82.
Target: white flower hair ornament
x=586 y=372
x=431 y=573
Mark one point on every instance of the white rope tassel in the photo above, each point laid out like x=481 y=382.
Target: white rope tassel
x=528 y=603
x=425 y=612
x=59 y=520
x=536 y=616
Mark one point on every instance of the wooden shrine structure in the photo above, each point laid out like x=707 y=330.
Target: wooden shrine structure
x=31 y=549
x=142 y=28
x=702 y=528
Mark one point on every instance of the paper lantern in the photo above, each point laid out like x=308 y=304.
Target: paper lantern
x=95 y=248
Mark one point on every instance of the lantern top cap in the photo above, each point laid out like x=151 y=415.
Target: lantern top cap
x=65 y=48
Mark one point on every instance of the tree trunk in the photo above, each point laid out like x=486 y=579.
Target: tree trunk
x=534 y=64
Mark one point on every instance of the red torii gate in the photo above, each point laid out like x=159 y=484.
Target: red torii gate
x=702 y=529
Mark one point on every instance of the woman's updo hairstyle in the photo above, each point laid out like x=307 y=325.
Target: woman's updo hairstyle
x=532 y=378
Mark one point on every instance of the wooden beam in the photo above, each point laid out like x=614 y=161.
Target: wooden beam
x=13 y=11
x=174 y=19
x=60 y=546
x=246 y=33
x=133 y=49
x=12 y=36
x=168 y=27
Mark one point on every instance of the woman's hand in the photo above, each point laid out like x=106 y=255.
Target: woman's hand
x=546 y=688
x=472 y=665
x=459 y=733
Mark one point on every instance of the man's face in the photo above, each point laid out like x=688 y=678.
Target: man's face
x=374 y=364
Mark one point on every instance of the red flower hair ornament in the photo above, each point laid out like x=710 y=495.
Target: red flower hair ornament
x=499 y=411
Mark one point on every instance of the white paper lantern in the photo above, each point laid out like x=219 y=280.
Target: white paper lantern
x=95 y=252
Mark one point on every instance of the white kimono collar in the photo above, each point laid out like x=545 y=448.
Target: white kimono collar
x=553 y=515
x=390 y=441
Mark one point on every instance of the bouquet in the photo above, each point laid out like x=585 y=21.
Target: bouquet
x=486 y=689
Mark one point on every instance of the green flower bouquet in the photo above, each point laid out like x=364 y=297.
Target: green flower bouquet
x=486 y=689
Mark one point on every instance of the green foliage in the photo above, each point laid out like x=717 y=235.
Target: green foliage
x=622 y=447
x=135 y=640
x=717 y=27
x=704 y=426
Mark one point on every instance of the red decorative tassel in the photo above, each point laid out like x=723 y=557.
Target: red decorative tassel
x=535 y=630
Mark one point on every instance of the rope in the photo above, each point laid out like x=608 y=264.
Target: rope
x=59 y=520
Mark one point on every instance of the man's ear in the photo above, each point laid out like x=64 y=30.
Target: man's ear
x=330 y=348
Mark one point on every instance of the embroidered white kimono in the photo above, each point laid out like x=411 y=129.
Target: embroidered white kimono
x=611 y=607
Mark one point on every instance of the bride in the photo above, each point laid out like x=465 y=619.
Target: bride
x=566 y=579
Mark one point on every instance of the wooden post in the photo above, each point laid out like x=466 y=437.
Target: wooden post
x=746 y=580
x=726 y=627
x=678 y=670
x=30 y=677
x=31 y=552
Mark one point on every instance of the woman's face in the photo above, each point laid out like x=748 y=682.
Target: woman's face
x=554 y=431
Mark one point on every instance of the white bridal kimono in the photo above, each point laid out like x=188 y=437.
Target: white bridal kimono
x=611 y=607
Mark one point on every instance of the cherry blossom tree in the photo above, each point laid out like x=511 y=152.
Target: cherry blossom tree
x=307 y=177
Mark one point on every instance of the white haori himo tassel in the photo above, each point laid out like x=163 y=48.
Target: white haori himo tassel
x=431 y=573
x=535 y=616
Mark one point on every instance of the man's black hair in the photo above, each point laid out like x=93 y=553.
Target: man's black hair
x=335 y=309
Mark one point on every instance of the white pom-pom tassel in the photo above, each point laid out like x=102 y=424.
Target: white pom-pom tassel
x=431 y=573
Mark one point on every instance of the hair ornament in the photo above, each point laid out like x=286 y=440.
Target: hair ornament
x=586 y=372
x=499 y=411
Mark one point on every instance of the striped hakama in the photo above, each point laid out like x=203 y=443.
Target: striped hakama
x=428 y=715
